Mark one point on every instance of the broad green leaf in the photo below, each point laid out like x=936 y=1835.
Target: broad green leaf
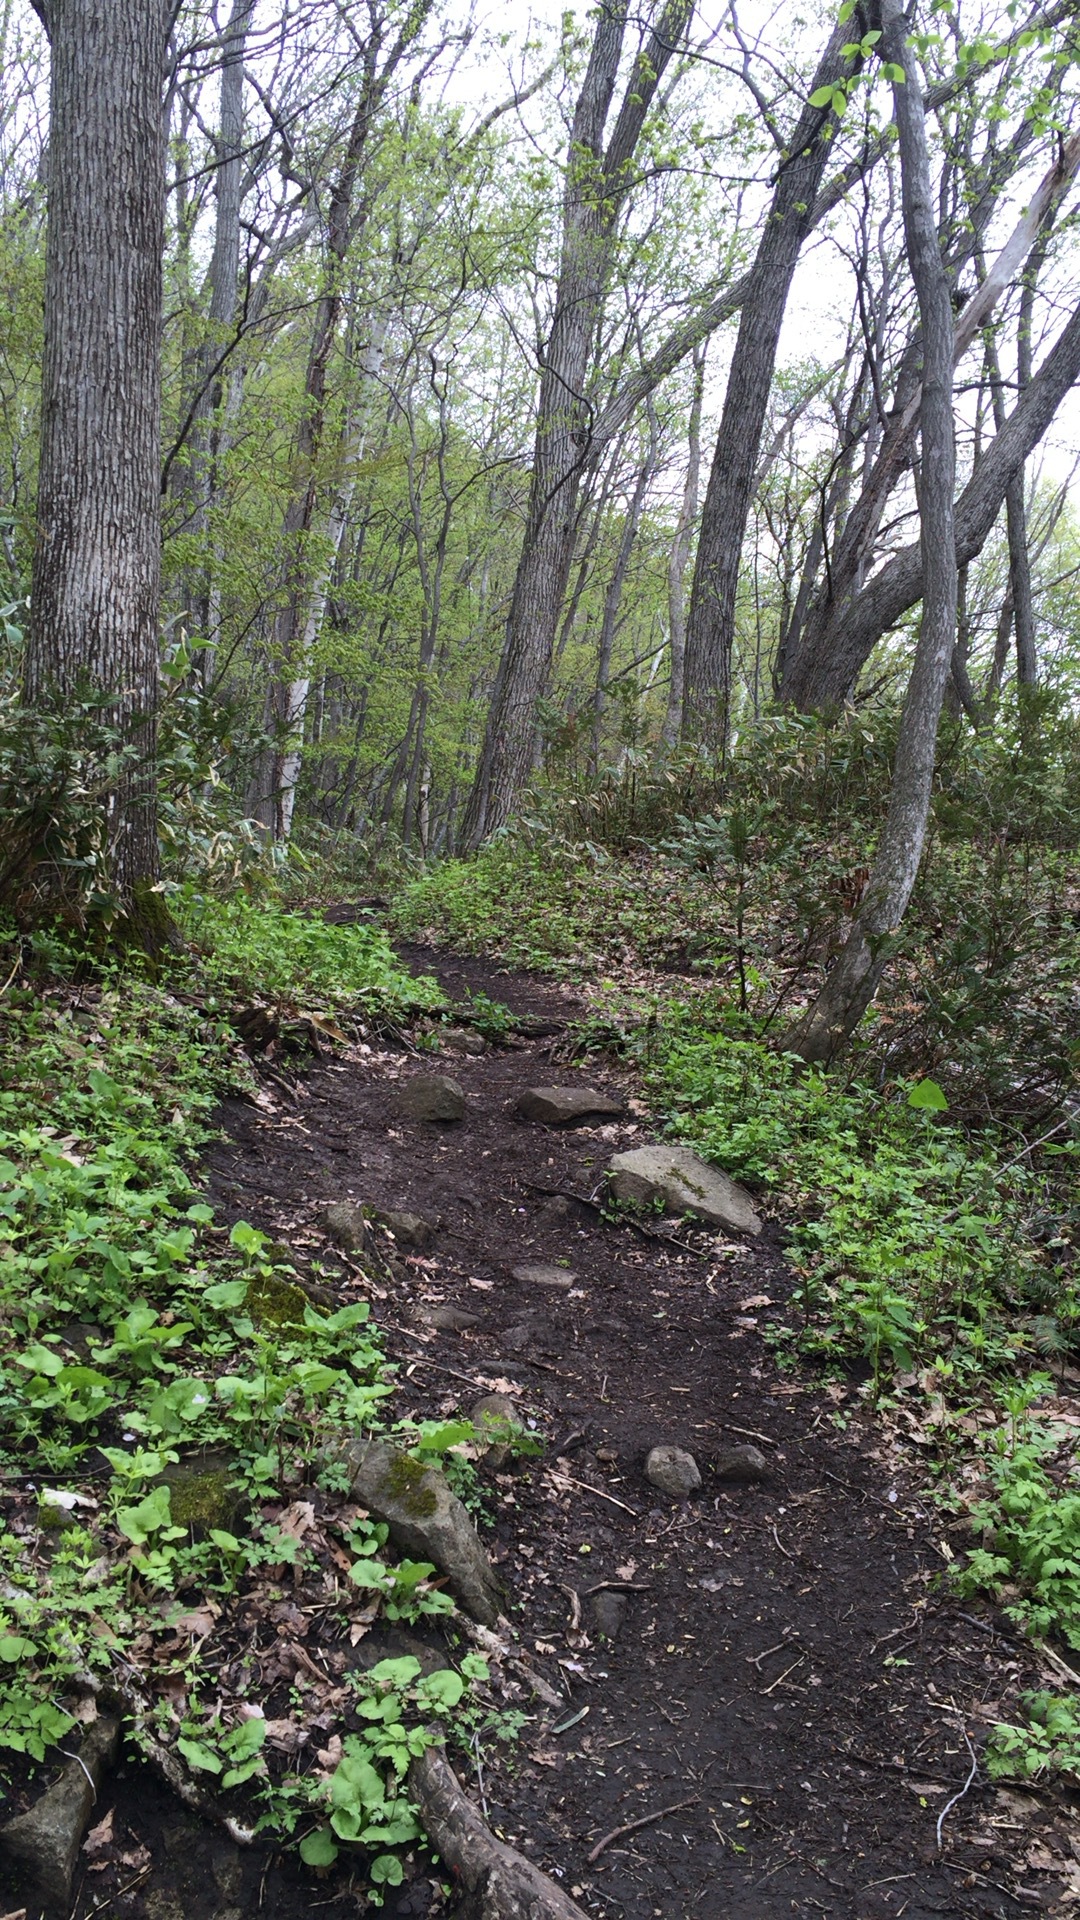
x=928 y=1096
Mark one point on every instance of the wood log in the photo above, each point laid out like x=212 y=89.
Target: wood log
x=501 y=1883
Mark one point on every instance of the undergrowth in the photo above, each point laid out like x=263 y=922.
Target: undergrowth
x=169 y=1391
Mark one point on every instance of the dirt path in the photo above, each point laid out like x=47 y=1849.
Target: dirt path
x=785 y=1675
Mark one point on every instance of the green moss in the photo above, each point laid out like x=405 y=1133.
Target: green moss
x=411 y=1485
x=203 y=1494
x=273 y=1302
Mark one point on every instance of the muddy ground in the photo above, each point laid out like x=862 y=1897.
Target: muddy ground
x=790 y=1686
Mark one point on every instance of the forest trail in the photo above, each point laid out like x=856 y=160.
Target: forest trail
x=767 y=1686
x=787 y=1670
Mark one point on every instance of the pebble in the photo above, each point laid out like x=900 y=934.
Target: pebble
x=545 y=1276
x=741 y=1463
x=609 y=1612
x=431 y=1096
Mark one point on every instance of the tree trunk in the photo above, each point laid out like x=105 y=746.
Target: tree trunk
x=596 y=188
x=710 y=630
x=851 y=985
x=614 y=594
x=96 y=567
x=898 y=586
x=680 y=554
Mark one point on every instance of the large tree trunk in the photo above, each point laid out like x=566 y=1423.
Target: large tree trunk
x=96 y=567
x=710 y=631
x=598 y=181
x=613 y=597
x=680 y=554
x=851 y=985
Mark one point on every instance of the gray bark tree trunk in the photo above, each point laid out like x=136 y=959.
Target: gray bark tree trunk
x=851 y=985
x=710 y=629
x=598 y=181
x=680 y=554
x=613 y=597
x=96 y=567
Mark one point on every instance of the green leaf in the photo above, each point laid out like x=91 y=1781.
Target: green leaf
x=821 y=97
x=203 y=1758
x=386 y=1870
x=41 y=1360
x=14 y=1647
x=226 y=1293
x=317 y=1849
x=928 y=1096
x=149 y=1516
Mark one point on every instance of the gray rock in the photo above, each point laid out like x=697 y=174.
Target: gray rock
x=673 y=1470
x=567 y=1106
x=450 y=1319
x=347 y=1226
x=494 y=1414
x=409 y=1229
x=685 y=1183
x=431 y=1096
x=46 y=1839
x=426 y=1521
x=741 y=1463
x=542 y=1275
x=609 y=1612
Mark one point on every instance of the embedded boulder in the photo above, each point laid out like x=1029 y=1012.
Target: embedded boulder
x=431 y=1096
x=425 y=1520
x=409 y=1229
x=741 y=1463
x=568 y=1106
x=46 y=1839
x=347 y=1226
x=685 y=1184
x=542 y=1274
x=495 y=1418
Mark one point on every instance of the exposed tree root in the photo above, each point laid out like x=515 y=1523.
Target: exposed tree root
x=503 y=1885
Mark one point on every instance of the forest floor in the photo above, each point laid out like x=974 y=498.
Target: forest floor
x=783 y=1711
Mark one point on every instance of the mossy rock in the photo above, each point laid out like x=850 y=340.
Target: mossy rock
x=273 y=1302
x=425 y=1519
x=203 y=1494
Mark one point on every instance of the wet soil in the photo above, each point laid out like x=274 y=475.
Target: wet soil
x=784 y=1710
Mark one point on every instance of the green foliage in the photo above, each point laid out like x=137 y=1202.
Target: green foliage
x=1047 y=1743
x=257 y=950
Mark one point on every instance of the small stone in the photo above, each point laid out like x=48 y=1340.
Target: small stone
x=545 y=1276
x=409 y=1229
x=450 y=1319
x=685 y=1184
x=431 y=1096
x=46 y=1840
x=495 y=1414
x=609 y=1612
x=741 y=1463
x=347 y=1226
x=425 y=1519
x=673 y=1470
x=568 y=1106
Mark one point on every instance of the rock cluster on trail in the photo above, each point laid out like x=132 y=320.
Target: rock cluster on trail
x=567 y=1106
x=431 y=1096
x=425 y=1520
x=685 y=1184
x=542 y=1274
x=673 y=1470
x=46 y=1840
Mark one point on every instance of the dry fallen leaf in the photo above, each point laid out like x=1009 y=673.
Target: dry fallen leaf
x=101 y=1836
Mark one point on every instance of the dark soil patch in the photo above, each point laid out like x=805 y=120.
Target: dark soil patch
x=788 y=1674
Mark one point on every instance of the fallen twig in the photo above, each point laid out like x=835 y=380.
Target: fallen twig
x=618 y=1586
x=749 y=1433
x=783 y=1676
x=957 y=1797
x=566 y=1480
x=633 y=1826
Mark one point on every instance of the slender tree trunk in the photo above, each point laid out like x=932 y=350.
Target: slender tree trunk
x=710 y=628
x=614 y=594
x=680 y=554
x=851 y=985
x=96 y=567
x=598 y=181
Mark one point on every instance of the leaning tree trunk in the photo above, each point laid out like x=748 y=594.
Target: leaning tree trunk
x=96 y=568
x=598 y=181
x=710 y=629
x=680 y=554
x=851 y=985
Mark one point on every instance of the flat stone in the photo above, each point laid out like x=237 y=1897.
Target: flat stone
x=450 y=1319
x=673 y=1470
x=347 y=1226
x=542 y=1275
x=431 y=1096
x=409 y=1229
x=46 y=1839
x=568 y=1106
x=609 y=1612
x=741 y=1463
x=426 y=1521
x=685 y=1183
